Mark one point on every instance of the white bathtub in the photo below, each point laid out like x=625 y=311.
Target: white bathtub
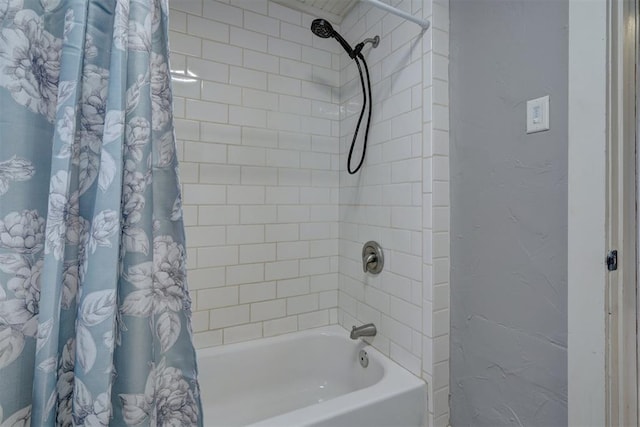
x=308 y=378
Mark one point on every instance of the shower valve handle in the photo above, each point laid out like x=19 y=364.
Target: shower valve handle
x=372 y=258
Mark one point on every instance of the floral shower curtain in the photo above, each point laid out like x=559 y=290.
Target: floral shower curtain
x=94 y=310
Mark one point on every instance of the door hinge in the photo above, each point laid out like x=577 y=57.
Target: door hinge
x=612 y=260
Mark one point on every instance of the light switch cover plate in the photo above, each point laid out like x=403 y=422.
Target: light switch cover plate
x=538 y=114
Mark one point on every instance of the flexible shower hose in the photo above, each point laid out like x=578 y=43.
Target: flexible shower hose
x=366 y=93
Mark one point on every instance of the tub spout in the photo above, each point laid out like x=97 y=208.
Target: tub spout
x=368 y=330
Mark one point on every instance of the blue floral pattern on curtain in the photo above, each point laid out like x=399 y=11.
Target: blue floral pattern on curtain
x=94 y=308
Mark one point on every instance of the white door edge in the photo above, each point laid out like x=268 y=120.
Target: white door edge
x=587 y=200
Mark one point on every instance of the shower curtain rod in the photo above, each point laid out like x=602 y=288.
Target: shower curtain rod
x=391 y=9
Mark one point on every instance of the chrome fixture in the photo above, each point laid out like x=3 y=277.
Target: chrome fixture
x=368 y=330
x=364 y=358
x=375 y=41
x=372 y=257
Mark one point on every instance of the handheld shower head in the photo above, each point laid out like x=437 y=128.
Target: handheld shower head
x=323 y=29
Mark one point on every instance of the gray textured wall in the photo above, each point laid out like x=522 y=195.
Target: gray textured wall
x=508 y=214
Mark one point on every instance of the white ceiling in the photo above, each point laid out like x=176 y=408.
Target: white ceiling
x=332 y=10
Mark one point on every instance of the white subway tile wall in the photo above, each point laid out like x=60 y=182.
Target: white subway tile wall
x=436 y=224
x=265 y=114
x=401 y=196
x=259 y=158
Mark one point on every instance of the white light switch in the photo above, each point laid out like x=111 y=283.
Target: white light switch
x=538 y=114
